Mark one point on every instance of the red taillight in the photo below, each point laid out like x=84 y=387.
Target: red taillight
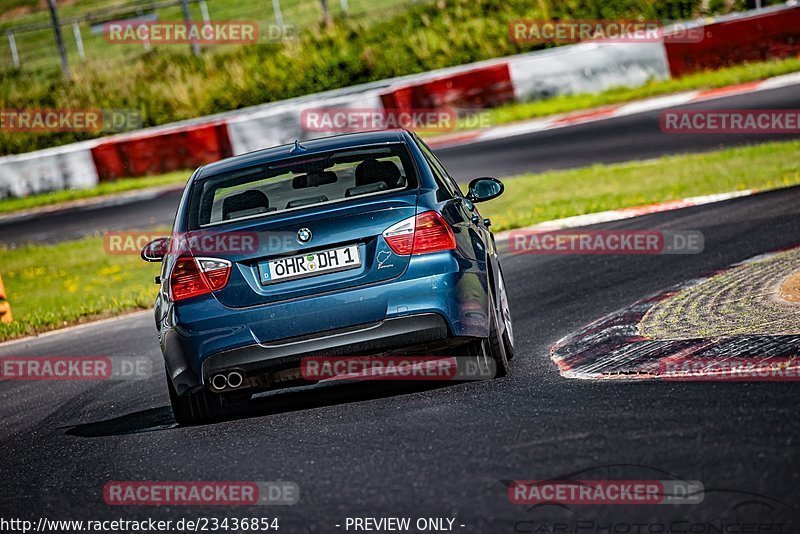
x=216 y=272
x=432 y=234
x=425 y=233
x=192 y=277
x=400 y=236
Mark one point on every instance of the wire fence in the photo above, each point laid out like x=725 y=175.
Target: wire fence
x=31 y=45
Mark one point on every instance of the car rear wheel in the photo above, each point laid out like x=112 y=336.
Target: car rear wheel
x=496 y=346
x=505 y=316
x=195 y=407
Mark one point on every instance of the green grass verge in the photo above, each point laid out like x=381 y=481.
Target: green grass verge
x=57 y=285
x=749 y=72
x=727 y=76
x=9 y=205
x=54 y=286
x=534 y=198
x=166 y=84
x=511 y=113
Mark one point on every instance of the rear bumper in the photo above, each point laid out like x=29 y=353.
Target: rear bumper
x=398 y=333
x=203 y=337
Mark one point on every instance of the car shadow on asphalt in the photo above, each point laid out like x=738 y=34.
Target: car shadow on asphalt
x=272 y=403
x=150 y=420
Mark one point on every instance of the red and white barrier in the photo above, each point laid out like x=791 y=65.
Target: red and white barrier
x=51 y=169
x=581 y=68
x=753 y=36
x=608 y=112
x=160 y=151
x=477 y=86
x=586 y=68
x=281 y=124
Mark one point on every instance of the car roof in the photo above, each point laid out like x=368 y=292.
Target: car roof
x=310 y=147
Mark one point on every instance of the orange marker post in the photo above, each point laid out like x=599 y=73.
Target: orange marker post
x=5 y=306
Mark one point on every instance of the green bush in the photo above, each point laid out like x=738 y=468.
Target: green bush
x=166 y=85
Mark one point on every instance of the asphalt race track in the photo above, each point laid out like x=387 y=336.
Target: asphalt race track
x=383 y=450
x=627 y=138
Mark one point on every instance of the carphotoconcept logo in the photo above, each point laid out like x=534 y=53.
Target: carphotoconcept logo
x=70 y=120
x=605 y=30
x=397 y=368
x=633 y=242
x=730 y=121
x=71 y=368
x=200 y=493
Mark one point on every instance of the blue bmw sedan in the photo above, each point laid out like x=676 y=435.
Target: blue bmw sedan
x=354 y=245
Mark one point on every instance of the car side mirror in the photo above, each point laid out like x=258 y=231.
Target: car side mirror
x=155 y=250
x=483 y=189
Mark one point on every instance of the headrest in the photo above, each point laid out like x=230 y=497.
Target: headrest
x=252 y=200
x=391 y=173
x=371 y=171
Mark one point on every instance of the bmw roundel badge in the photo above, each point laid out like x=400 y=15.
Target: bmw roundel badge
x=304 y=235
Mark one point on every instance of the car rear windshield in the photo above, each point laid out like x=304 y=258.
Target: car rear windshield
x=300 y=182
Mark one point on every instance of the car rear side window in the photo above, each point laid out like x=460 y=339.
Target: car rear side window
x=300 y=182
x=444 y=180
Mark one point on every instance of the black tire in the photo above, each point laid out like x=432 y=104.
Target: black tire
x=195 y=407
x=505 y=315
x=510 y=352
x=496 y=345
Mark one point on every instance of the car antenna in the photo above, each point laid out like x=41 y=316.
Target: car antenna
x=298 y=148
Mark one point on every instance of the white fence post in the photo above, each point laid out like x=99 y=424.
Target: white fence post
x=76 y=31
x=204 y=11
x=12 y=43
x=276 y=7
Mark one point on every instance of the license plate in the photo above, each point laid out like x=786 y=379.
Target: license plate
x=311 y=264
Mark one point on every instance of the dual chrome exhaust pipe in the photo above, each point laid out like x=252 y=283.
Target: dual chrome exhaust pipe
x=223 y=381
